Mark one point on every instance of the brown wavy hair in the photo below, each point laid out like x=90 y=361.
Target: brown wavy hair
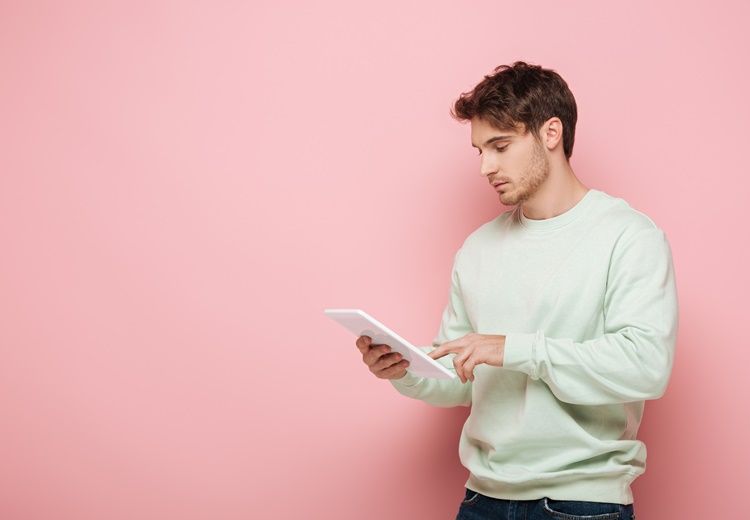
x=522 y=95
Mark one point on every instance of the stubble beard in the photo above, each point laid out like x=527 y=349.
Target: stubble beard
x=533 y=177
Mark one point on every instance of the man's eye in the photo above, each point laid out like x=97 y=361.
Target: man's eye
x=498 y=149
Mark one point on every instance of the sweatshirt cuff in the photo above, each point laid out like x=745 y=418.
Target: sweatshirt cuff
x=520 y=350
x=408 y=380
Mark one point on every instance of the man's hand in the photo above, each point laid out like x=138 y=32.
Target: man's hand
x=472 y=350
x=381 y=361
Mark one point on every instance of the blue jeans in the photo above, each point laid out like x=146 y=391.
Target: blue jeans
x=476 y=506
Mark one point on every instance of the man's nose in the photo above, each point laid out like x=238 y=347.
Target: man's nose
x=487 y=168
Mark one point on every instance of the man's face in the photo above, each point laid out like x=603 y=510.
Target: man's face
x=519 y=160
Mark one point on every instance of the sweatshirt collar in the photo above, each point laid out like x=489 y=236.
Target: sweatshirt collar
x=560 y=220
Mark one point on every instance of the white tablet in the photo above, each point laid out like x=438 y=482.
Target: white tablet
x=360 y=323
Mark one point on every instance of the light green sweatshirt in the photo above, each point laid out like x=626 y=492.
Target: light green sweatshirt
x=588 y=304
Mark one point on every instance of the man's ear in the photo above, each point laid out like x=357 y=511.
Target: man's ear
x=552 y=133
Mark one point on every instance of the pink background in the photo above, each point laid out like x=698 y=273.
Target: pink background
x=184 y=187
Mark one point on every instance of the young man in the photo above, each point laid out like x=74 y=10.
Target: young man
x=561 y=321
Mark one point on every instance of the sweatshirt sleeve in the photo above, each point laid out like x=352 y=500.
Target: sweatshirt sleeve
x=632 y=360
x=444 y=393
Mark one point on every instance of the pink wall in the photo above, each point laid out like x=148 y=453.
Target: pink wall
x=185 y=186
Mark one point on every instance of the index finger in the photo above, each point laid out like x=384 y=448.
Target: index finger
x=445 y=348
x=363 y=343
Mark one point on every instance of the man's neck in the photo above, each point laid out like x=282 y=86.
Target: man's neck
x=561 y=191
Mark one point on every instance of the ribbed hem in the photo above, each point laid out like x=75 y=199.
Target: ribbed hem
x=594 y=488
x=519 y=352
x=408 y=380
